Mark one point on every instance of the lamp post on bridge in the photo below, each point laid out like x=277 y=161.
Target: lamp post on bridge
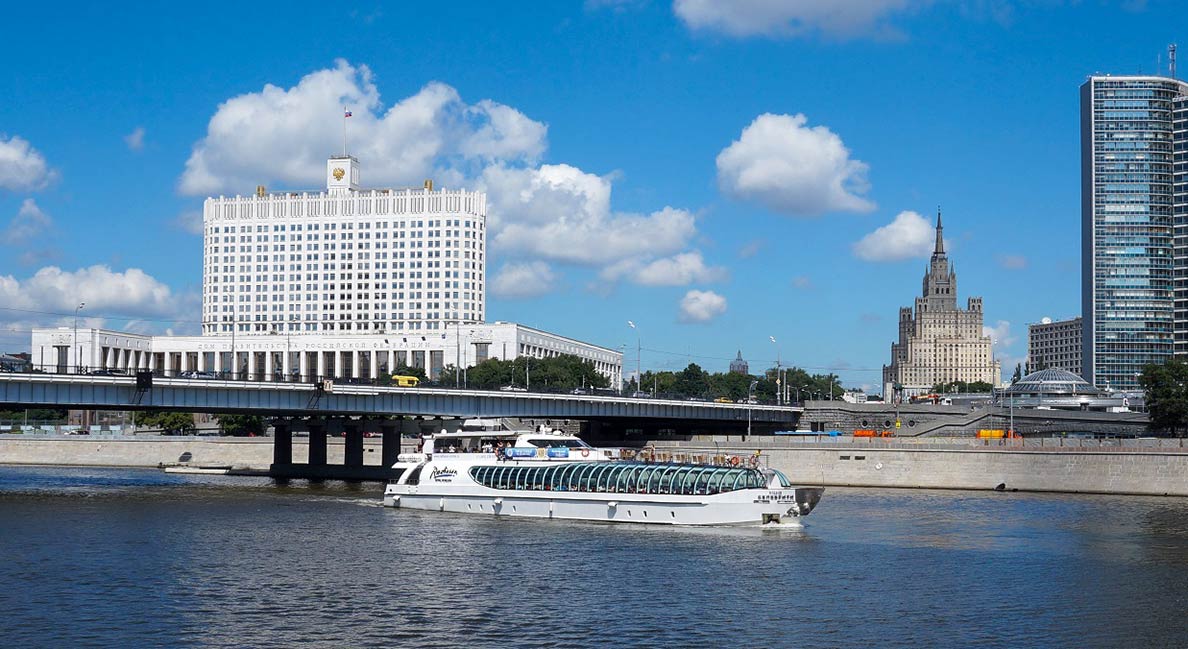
x=638 y=356
x=779 y=383
x=77 y=351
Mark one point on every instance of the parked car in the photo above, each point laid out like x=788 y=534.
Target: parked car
x=107 y=371
x=512 y=388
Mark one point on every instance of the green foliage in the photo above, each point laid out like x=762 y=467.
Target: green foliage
x=694 y=382
x=35 y=414
x=1166 y=392
x=170 y=423
x=560 y=373
x=1018 y=373
x=962 y=387
x=241 y=425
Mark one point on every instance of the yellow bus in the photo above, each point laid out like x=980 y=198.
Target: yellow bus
x=402 y=381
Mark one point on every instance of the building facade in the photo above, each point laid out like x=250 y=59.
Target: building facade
x=346 y=260
x=1054 y=345
x=346 y=283
x=939 y=342
x=295 y=357
x=1134 y=284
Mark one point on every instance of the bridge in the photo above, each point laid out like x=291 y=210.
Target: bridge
x=310 y=405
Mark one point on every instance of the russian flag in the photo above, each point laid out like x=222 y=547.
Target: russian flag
x=346 y=113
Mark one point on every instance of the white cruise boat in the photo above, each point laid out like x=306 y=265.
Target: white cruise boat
x=554 y=475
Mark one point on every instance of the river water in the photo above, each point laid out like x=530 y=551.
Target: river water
x=131 y=558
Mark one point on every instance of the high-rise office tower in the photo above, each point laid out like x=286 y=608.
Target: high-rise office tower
x=1134 y=232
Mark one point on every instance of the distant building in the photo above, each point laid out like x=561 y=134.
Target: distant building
x=939 y=342
x=1134 y=226
x=1054 y=345
x=739 y=366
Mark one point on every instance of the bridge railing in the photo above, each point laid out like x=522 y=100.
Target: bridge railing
x=381 y=381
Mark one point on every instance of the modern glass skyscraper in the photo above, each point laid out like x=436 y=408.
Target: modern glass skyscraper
x=1134 y=295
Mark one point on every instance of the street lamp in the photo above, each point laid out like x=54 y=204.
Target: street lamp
x=779 y=383
x=750 y=401
x=638 y=357
x=77 y=351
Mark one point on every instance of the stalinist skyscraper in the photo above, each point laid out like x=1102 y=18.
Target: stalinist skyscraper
x=939 y=342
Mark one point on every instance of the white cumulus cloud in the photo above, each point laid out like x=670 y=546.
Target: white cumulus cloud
x=131 y=293
x=678 y=270
x=23 y=168
x=908 y=236
x=523 y=280
x=29 y=222
x=793 y=18
x=701 y=306
x=793 y=168
x=284 y=135
x=561 y=213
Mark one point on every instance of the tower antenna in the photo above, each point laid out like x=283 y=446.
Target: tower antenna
x=1171 y=59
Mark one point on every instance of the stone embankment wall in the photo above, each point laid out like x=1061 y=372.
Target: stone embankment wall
x=1138 y=467
x=957 y=421
x=95 y=450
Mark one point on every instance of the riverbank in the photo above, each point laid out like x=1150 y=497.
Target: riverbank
x=239 y=454
x=1148 y=467
x=1124 y=467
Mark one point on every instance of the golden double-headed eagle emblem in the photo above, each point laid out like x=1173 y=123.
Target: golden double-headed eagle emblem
x=338 y=173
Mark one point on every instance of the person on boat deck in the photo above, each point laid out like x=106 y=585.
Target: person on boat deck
x=500 y=452
x=487 y=448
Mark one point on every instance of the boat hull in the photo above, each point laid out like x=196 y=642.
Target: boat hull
x=744 y=507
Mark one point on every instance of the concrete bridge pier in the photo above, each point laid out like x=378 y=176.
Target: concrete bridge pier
x=353 y=456
x=317 y=443
x=390 y=447
x=282 y=443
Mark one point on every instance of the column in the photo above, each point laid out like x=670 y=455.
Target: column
x=303 y=363
x=354 y=443
x=152 y=362
x=374 y=364
x=355 y=364
x=252 y=369
x=317 y=443
x=269 y=365
x=286 y=365
x=282 y=443
x=390 y=450
x=218 y=359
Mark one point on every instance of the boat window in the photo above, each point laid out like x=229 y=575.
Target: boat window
x=602 y=478
x=784 y=481
x=559 y=443
x=622 y=477
x=414 y=476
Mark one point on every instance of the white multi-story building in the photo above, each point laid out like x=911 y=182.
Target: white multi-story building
x=346 y=260
x=346 y=283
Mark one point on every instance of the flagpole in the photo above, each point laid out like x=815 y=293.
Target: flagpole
x=344 y=140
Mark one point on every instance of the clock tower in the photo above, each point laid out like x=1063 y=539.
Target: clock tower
x=342 y=174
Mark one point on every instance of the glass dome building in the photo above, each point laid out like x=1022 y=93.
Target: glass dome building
x=1057 y=389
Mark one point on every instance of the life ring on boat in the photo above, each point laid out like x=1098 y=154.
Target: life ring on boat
x=585 y=452
x=734 y=460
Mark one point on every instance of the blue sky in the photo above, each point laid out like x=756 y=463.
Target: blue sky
x=705 y=169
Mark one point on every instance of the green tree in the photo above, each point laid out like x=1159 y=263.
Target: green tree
x=241 y=425
x=1018 y=373
x=170 y=423
x=35 y=414
x=1165 y=387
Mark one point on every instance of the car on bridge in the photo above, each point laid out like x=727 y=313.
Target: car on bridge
x=512 y=388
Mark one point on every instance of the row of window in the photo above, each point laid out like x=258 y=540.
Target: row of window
x=621 y=477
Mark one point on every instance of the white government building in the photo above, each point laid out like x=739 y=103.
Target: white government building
x=346 y=283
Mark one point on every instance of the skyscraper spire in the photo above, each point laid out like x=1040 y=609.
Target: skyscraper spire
x=940 y=241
